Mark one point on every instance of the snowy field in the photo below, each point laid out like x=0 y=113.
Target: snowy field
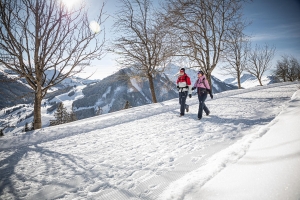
x=148 y=152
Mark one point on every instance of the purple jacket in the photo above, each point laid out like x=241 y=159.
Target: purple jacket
x=202 y=83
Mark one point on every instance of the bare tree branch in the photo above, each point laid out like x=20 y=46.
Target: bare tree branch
x=203 y=28
x=145 y=44
x=259 y=61
x=238 y=48
x=41 y=35
x=287 y=69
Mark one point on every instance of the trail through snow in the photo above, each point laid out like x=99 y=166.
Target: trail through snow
x=136 y=153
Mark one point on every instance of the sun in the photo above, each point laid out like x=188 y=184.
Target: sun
x=69 y=3
x=94 y=26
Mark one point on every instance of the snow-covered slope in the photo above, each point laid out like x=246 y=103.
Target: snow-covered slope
x=111 y=93
x=138 y=153
x=268 y=170
x=248 y=80
x=70 y=81
x=13 y=92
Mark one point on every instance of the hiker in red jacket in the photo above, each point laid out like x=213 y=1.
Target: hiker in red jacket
x=184 y=88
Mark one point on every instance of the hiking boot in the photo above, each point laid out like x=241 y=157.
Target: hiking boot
x=181 y=115
x=187 y=108
x=208 y=113
x=199 y=118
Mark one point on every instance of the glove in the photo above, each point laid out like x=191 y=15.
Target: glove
x=210 y=94
x=193 y=88
x=177 y=86
x=190 y=95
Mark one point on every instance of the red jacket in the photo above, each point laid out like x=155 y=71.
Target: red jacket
x=184 y=83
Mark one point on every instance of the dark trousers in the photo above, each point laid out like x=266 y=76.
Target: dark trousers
x=202 y=97
x=182 y=100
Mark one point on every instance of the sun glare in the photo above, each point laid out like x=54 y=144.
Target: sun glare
x=94 y=26
x=70 y=3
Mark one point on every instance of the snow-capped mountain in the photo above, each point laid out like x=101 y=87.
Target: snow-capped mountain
x=69 y=82
x=13 y=92
x=248 y=80
x=112 y=93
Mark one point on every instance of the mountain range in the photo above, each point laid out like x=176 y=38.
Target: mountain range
x=248 y=80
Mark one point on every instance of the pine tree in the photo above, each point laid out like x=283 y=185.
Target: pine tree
x=61 y=115
x=32 y=125
x=72 y=116
x=127 y=105
x=26 y=127
x=99 y=111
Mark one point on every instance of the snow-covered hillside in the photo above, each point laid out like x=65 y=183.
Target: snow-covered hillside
x=143 y=152
x=70 y=81
x=248 y=81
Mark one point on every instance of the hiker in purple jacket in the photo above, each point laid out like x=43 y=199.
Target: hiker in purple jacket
x=202 y=87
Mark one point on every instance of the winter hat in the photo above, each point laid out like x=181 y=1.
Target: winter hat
x=182 y=70
x=200 y=72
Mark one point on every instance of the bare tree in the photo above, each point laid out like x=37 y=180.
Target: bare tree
x=145 y=44
x=41 y=35
x=203 y=28
x=238 y=48
x=287 y=69
x=293 y=69
x=99 y=111
x=281 y=69
x=260 y=60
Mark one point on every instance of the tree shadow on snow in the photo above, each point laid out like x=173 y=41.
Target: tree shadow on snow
x=237 y=121
x=10 y=175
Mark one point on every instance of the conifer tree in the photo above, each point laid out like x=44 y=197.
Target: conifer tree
x=99 y=111
x=72 y=116
x=26 y=127
x=127 y=105
x=32 y=125
x=62 y=116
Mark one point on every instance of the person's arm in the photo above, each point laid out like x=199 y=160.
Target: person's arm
x=188 y=81
x=206 y=84
x=208 y=88
x=195 y=85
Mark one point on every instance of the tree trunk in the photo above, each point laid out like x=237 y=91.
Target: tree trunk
x=150 y=78
x=37 y=110
x=208 y=76
x=259 y=80
x=239 y=80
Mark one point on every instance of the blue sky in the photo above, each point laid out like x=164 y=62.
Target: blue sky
x=274 y=22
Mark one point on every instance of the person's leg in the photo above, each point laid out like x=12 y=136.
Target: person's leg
x=182 y=102
x=186 y=106
x=200 y=98
x=205 y=108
